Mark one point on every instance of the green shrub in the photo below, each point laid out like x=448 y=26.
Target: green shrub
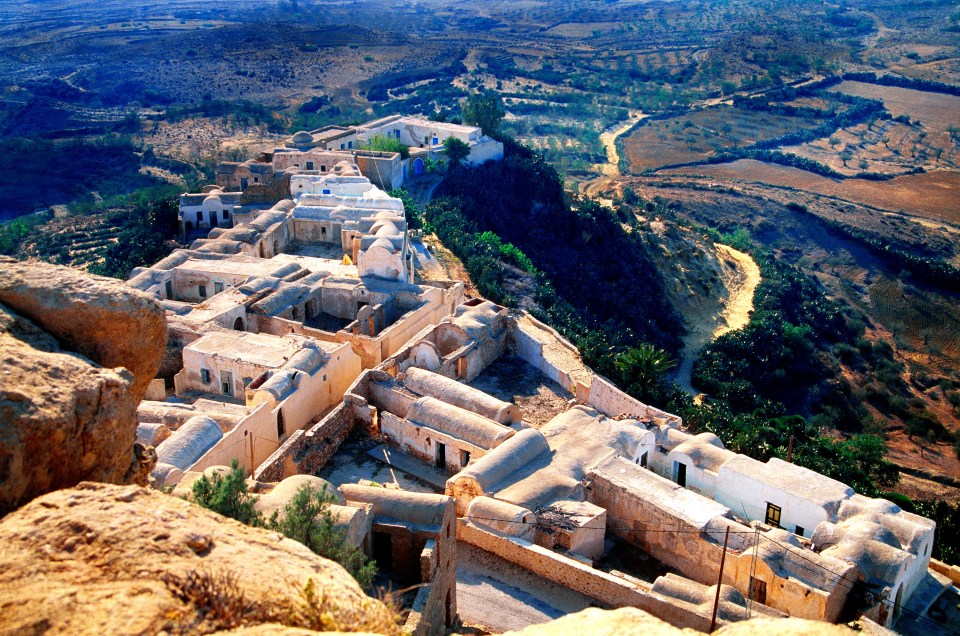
x=227 y=495
x=308 y=519
x=382 y=143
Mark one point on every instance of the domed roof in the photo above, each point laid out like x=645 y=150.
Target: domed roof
x=302 y=137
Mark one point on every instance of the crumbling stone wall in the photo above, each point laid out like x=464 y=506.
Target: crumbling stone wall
x=307 y=451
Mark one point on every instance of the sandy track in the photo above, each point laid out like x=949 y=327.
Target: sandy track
x=609 y=140
x=703 y=329
x=740 y=302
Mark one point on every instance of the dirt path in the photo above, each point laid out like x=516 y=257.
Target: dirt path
x=701 y=330
x=609 y=140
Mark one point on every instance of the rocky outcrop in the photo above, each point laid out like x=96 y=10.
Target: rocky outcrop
x=101 y=559
x=100 y=318
x=64 y=418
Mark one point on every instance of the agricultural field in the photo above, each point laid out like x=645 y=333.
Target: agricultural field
x=932 y=195
x=703 y=134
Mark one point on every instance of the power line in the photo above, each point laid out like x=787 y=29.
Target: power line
x=840 y=580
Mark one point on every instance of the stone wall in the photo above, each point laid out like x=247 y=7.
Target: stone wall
x=608 y=590
x=682 y=535
x=607 y=398
x=307 y=451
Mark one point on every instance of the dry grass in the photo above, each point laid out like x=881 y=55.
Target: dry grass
x=216 y=601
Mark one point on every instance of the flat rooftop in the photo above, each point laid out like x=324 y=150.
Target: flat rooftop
x=798 y=481
x=694 y=509
x=215 y=306
x=234 y=266
x=258 y=349
x=317 y=258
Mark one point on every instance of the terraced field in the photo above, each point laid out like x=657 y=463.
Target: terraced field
x=700 y=135
x=933 y=195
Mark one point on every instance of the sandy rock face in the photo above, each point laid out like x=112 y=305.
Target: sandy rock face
x=102 y=559
x=62 y=420
x=103 y=319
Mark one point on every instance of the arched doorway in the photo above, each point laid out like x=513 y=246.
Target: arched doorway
x=417 y=167
x=238 y=324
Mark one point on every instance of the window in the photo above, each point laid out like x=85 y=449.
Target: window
x=799 y=531
x=226 y=215
x=226 y=382
x=436 y=140
x=256 y=179
x=217 y=287
x=343 y=146
x=758 y=591
x=464 y=458
x=323 y=168
x=199 y=216
x=202 y=290
x=396 y=132
x=326 y=190
x=773 y=515
x=349 y=144
x=309 y=165
x=205 y=376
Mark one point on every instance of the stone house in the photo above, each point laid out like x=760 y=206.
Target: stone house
x=414 y=539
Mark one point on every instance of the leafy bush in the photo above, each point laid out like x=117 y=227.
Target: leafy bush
x=585 y=255
x=946 y=546
x=382 y=143
x=227 y=494
x=306 y=518
x=776 y=356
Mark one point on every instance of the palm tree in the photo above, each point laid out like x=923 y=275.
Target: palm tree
x=644 y=366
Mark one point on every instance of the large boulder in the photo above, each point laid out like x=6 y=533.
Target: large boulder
x=78 y=352
x=103 y=319
x=62 y=419
x=103 y=559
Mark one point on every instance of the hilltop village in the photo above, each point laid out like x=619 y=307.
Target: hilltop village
x=296 y=321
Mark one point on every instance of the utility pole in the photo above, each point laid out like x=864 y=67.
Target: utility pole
x=716 y=601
